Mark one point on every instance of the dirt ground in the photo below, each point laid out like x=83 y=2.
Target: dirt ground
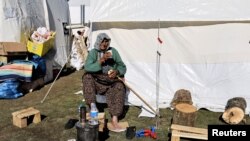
x=61 y=104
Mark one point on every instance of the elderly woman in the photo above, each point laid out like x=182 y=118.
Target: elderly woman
x=102 y=69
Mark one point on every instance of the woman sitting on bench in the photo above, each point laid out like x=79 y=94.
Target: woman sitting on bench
x=102 y=69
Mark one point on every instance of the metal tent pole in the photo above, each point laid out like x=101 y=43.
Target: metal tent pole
x=158 y=55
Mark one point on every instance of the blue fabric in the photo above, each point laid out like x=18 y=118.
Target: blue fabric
x=39 y=66
x=40 y=63
x=9 y=89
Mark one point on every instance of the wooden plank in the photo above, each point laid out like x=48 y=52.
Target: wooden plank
x=123 y=124
x=175 y=138
x=37 y=118
x=189 y=129
x=100 y=116
x=27 y=113
x=189 y=135
x=21 y=111
x=101 y=119
x=19 y=122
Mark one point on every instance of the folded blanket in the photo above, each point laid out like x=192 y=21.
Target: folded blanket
x=19 y=71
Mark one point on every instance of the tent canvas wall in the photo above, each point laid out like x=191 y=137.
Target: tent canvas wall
x=19 y=18
x=205 y=47
x=58 y=14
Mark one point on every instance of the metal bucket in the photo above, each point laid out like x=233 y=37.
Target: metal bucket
x=87 y=132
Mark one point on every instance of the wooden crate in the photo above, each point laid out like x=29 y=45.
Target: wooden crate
x=20 y=117
x=179 y=131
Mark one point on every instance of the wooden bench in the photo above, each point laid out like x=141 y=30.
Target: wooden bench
x=20 y=117
x=179 y=131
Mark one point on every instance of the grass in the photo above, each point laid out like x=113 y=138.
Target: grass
x=62 y=104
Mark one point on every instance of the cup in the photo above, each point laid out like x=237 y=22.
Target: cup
x=130 y=132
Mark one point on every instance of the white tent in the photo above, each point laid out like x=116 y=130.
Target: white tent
x=205 y=47
x=18 y=19
x=79 y=11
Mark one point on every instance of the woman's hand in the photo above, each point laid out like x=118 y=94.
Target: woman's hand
x=105 y=56
x=112 y=73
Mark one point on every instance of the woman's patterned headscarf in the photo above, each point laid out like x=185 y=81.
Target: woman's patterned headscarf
x=100 y=37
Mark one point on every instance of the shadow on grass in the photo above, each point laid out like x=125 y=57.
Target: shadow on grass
x=30 y=119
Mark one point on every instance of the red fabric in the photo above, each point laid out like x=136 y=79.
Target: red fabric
x=159 y=40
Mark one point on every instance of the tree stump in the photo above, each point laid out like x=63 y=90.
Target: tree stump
x=185 y=114
x=235 y=110
x=182 y=96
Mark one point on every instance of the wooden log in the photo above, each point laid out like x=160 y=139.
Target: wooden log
x=236 y=102
x=181 y=96
x=185 y=114
x=234 y=110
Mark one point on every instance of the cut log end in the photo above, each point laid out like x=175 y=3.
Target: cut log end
x=233 y=115
x=185 y=108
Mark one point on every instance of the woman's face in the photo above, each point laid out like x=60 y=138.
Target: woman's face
x=104 y=44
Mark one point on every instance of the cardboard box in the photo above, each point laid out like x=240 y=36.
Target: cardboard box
x=12 y=51
x=12 y=48
x=40 y=49
x=7 y=59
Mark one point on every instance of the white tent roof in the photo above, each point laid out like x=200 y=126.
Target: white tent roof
x=170 y=10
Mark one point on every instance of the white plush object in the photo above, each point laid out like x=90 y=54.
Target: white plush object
x=41 y=35
x=79 y=52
